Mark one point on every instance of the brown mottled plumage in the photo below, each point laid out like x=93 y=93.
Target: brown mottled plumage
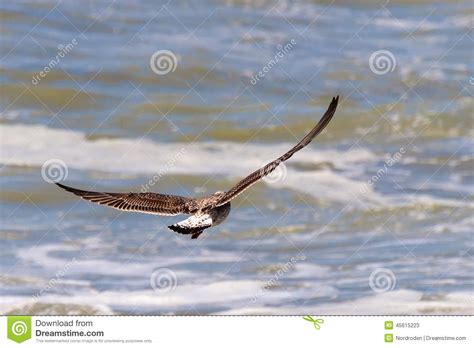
x=206 y=211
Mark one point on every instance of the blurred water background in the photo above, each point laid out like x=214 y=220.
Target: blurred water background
x=375 y=216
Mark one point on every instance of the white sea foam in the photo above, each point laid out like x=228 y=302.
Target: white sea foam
x=410 y=26
x=207 y=290
x=44 y=256
x=32 y=145
x=465 y=225
x=398 y=302
x=406 y=25
x=244 y=296
x=228 y=293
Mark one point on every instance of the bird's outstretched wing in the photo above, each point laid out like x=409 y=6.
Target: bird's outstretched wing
x=148 y=203
x=270 y=167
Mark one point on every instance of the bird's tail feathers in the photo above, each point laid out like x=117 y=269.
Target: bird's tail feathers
x=193 y=225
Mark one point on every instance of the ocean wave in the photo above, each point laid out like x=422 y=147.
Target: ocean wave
x=400 y=302
x=33 y=145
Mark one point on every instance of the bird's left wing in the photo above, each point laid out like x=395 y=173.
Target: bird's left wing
x=270 y=167
x=148 y=202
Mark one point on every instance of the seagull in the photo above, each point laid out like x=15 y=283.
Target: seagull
x=206 y=211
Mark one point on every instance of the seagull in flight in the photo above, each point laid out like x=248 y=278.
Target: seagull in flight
x=205 y=211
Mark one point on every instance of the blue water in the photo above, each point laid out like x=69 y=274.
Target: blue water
x=375 y=216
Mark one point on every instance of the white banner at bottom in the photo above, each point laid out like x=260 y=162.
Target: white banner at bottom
x=236 y=331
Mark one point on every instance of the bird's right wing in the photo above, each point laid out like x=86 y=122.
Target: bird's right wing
x=148 y=202
x=270 y=167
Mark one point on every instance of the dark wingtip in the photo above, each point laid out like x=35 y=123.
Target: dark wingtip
x=332 y=107
x=67 y=188
x=64 y=187
x=73 y=190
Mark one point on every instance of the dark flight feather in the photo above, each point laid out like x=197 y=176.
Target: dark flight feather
x=148 y=202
